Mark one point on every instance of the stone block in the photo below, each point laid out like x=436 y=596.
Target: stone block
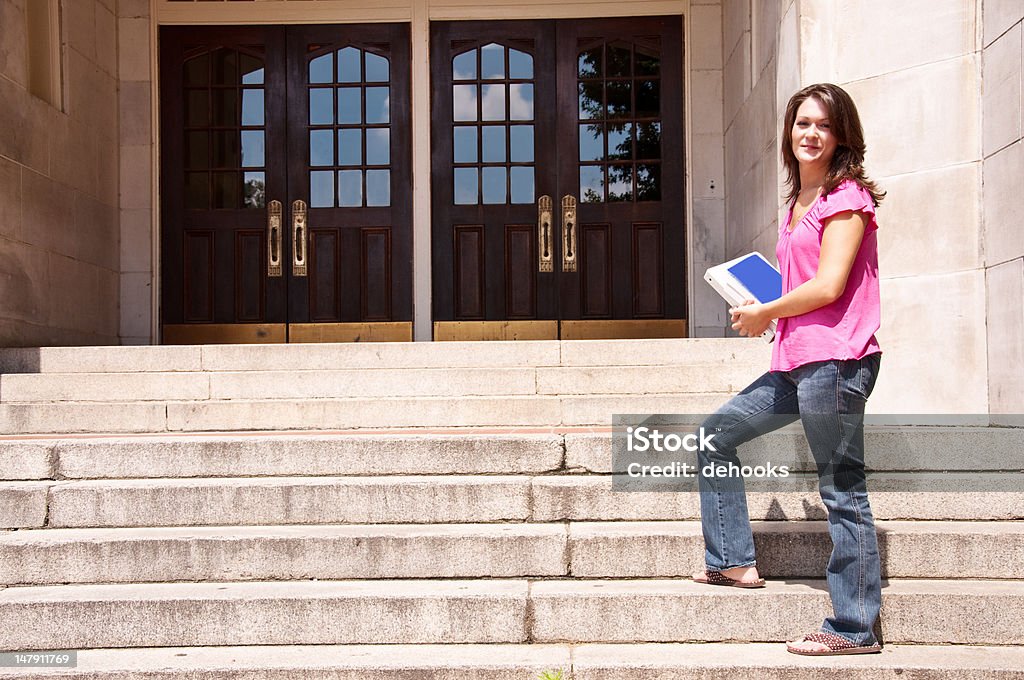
x=133 y=40
x=663 y=352
x=106 y=37
x=1003 y=203
x=136 y=177
x=136 y=312
x=24 y=136
x=108 y=387
x=737 y=79
x=10 y=200
x=289 y=553
x=78 y=20
x=904 y=35
x=136 y=113
x=706 y=102
x=708 y=235
x=298 y=455
x=1005 y=329
x=764 y=26
x=708 y=168
x=23 y=270
x=94 y=233
x=1001 y=96
x=913 y=611
x=70 y=418
x=709 y=309
x=932 y=363
x=22 y=460
x=787 y=58
x=933 y=214
x=681 y=380
x=78 y=147
x=294 y=500
x=23 y=505
x=263 y=613
x=706 y=37
x=14 y=49
x=47 y=213
x=940 y=105
x=735 y=22
x=998 y=16
x=168 y=358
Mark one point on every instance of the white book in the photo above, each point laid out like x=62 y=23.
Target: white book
x=750 y=277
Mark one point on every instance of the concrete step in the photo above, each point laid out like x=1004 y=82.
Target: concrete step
x=580 y=549
x=672 y=661
x=383 y=355
x=289 y=500
x=341 y=414
x=378 y=382
x=497 y=611
x=443 y=499
x=590 y=498
x=477 y=451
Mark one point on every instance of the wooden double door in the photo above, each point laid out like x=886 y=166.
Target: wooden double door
x=286 y=183
x=557 y=174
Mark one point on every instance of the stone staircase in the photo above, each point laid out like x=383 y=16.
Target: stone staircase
x=445 y=510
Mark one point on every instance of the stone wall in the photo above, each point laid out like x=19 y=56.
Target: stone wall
x=1003 y=201
x=59 y=242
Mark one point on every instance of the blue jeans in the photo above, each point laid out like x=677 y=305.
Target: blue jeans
x=828 y=397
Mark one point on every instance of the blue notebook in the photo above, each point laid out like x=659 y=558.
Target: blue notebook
x=758 y=276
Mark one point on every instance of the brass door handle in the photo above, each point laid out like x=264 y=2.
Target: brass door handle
x=569 y=233
x=545 y=258
x=299 y=238
x=274 y=239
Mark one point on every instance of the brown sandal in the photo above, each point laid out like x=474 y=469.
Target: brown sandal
x=717 y=578
x=836 y=644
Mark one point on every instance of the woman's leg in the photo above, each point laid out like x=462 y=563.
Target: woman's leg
x=765 y=405
x=832 y=397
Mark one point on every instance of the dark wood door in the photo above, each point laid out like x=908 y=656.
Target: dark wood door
x=607 y=124
x=286 y=183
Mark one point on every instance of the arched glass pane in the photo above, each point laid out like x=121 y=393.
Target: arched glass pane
x=464 y=66
x=225 y=67
x=619 y=57
x=321 y=69
x=378 y=69
x=520 y=64
x=492 y=61
x=590 y=64
x=197 y=70
x=648 y=61
x=252 y=69
x=350 y=69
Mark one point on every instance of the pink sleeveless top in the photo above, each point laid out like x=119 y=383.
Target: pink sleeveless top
x=844 y=329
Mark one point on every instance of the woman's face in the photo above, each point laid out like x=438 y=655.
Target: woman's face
x=813 y=141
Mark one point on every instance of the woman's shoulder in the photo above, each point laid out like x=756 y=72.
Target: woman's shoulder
x=848 y=195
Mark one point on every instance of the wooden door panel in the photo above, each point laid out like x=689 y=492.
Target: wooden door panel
x=223 y=153
x=349 y=125
x=493 y=157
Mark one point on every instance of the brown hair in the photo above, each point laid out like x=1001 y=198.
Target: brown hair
x=848 y=161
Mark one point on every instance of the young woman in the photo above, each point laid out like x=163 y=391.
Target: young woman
x=824 y=364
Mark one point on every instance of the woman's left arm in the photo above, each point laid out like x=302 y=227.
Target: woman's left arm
x=839 y=245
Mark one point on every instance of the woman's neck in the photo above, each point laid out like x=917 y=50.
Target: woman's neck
x=812 y=178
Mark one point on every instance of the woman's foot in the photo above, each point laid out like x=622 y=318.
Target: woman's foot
x=741 y=577
x=828 y=644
